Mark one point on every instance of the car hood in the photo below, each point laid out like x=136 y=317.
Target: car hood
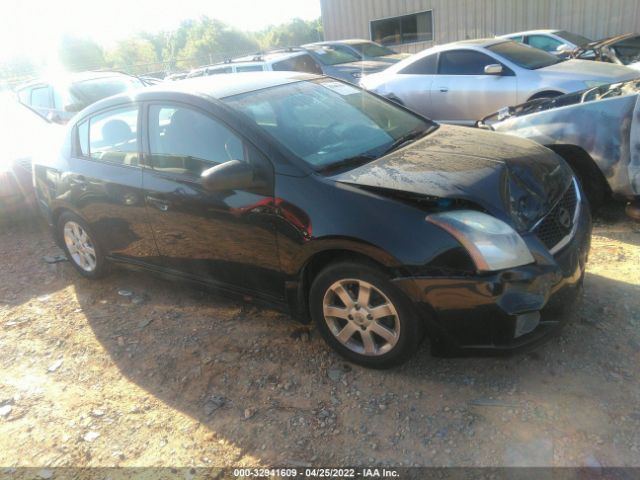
x=514 y=179
x=396 y=57
x=364 y=65
x=590 y=70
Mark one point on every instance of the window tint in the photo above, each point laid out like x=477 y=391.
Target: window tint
x=301 y=63
x=523 y=55
x=113 y=136
x=424 y=66
x=464 y=62
x=40 y=97
x=187 y=142
x=519 y=39
x=417 y=27
x=219 y=70
x=249 y=68
x=543 y=42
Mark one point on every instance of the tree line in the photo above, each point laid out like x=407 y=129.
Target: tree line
x=195 y=42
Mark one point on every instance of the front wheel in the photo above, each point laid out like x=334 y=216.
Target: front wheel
x=81 y=247
x=363 y=316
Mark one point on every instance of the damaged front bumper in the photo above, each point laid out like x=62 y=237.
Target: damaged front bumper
x=506 y=311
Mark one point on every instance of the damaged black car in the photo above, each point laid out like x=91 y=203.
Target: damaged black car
x=309 y=194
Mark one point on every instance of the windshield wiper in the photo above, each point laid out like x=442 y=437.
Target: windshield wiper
x=405 y=139
x=348 y=162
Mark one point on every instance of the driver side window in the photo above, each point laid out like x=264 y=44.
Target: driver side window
x=186 y=142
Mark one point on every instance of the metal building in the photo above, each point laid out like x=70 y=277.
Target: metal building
x=413 y=25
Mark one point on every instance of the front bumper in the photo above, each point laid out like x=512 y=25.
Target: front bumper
x=506 y=311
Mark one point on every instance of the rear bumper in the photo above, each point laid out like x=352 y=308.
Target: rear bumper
x=504 y=312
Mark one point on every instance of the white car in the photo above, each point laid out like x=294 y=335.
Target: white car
x=465 y=81
x=556 y=42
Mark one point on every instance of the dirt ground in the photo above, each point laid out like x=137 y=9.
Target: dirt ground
x=174 y=376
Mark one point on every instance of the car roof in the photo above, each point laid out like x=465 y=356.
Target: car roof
x=73 y=78
x=529 y=32
x=347 y=41
x=213 y=87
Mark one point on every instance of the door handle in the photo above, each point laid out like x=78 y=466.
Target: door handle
x=444 y=89
x=160 y=204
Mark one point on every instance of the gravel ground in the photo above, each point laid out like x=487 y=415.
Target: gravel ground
x=138 y=371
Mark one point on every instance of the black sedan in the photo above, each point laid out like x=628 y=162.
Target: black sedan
x=312 y=195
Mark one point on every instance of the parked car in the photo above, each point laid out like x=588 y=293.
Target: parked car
x=292 y=61
x=314 y=196
x=20 y=126
x=463 y=82
x=363 y=49
x=597 y=131
x=342 y=64
x=59 y=99
x=556 y=42
x=621 y=50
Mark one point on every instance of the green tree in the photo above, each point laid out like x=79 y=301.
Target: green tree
x=296 y=32
x=135 y=56
x=77 y=54
x=209 y=40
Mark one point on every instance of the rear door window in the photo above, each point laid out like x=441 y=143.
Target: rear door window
x=543 y=42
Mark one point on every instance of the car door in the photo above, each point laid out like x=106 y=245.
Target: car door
x=224 y=237
x=412 y=85
x=462 y=92
x=105 y=182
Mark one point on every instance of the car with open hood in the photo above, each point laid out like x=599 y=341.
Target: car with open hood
x=463 y=82
x=618 y=50
x=597 y=131
x=329 y=202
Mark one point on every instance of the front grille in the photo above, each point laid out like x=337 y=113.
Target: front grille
x=558 y=223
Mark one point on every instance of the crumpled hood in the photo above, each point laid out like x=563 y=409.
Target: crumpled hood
x=514 y=179
x=590 y=70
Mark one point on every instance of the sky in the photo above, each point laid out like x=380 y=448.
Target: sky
x=34 y=27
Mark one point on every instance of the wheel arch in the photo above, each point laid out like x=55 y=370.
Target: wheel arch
x=580 y=160
x=547 y=93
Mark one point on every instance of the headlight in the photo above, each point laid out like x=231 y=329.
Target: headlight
x=492 y=244
x=594 y=83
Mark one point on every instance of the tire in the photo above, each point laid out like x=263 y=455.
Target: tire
x=360 y=324
x=81 y=247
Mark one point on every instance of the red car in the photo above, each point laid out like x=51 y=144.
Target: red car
x=23 y=134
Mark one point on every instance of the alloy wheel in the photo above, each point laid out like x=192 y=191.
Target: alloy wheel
x=361 y=317
x=80 y=246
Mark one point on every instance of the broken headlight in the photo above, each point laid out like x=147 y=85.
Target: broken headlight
x=492 y=244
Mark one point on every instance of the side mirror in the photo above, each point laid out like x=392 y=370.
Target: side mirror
x=72 y=107
x=231 y=175
x=564 y=49
x=493 y=69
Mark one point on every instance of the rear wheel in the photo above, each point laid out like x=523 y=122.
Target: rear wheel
x=81 y=247
x=363 y=316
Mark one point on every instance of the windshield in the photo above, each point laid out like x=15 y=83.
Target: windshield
x=523 y=55
x=573 y=38
x=90 y=91
x=371 y=49
x=330 y=56
x=327 y=122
